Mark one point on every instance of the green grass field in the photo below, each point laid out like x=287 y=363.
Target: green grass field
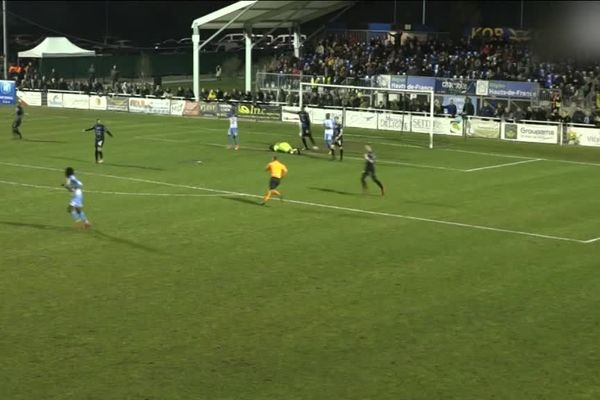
x=463 y=282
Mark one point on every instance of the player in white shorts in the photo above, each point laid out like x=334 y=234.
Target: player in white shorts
x=233 y=131
x=329 y=125
x=75 y=207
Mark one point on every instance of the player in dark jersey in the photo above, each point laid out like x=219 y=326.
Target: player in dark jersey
x=370 y=170
x=305 y=129
x=17 y=122
x=338 y=139
x=99 y=130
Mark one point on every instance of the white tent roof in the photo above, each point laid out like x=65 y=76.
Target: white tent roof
x=56 y=47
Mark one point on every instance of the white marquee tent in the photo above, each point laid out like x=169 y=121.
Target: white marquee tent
x=53 y=47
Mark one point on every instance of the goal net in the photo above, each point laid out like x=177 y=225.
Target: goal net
x=399 y=110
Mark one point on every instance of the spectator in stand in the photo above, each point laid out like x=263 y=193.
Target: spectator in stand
x=54 y=75
x=578 y=116
x=468 y=108
x=114 y=75
x=91 y=73
x=451 y=108
x=212 y=95
x=189 y=93
x=487 y=110
x=180 y=92
x=218 y=72
x=219 y=94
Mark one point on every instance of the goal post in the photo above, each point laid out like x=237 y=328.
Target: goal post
x=407 y=107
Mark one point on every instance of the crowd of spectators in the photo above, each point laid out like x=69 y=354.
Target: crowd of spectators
x=574 y=87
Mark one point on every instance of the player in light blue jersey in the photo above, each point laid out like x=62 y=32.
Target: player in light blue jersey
x=329 y=125
x=233 y=132
x=75 y=207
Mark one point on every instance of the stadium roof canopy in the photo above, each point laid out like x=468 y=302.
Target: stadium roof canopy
x=263 y=14
x=259 y=14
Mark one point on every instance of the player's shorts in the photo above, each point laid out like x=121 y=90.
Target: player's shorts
x=233 y=131
x=305 y=130
x=16 y=123
x=338 y=142
x=369 y=172
x=328 y=140
x=77 y=199
x=274 y=182
x=99 y=144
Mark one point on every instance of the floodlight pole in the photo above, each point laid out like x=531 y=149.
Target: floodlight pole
x=5 y=39
x=424 y=10
x=522 y=14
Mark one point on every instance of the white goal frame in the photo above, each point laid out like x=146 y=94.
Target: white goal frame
x=430 y=93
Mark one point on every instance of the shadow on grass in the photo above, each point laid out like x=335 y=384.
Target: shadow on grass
x=127 y=242
x=109 y=164
x=43 y=141
x=326 y=190
x=243 y=199
x=92 y=231
x=134 y=166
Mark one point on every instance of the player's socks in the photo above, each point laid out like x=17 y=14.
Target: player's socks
x=332 y=154
x=341 y=154
x=75 y=215
x=96 y=155
x=304 y=143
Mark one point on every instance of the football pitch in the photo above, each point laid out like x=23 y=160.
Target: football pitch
x=476 y=276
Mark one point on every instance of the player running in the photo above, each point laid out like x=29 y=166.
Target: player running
x=233 y=132
x=75 y=207
x=284 y=147
x=17 y=121
x=329 y=125
x=99 y=130
x=305 y=129
x=370 y=170
x=277 y=171
x=338 y=139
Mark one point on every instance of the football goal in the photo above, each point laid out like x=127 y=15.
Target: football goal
x=400 y=110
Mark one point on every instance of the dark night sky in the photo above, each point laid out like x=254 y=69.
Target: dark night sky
x=146 y=22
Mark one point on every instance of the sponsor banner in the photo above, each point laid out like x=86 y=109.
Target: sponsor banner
x=398 y=82
x=55 y=99
x=149 y=106
x=8 y=92
x=530 y=133
x=30 y=98
x=483 y=128
x=79 y=101
x=98 y=103
x=290 y=114
x=455 y=86
x=259 y=111
x=191 y=108
x=117 y=104
x=482 y=88
x=583 y=136
x=209 y=109
x=512 y=89
x=361 y=119
x=441 y=125
x=383 y=81
x=177 y=107
x=393 y=122
x=499 y=33
x=223 y=109
x=412 y=82
x=317 y=115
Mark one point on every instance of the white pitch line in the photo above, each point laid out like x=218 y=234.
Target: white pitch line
x=592 y=240
x=115 y=193
x=503 y=165
x=328 y=206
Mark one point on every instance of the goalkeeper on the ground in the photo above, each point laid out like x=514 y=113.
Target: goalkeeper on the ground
x=284 y=147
